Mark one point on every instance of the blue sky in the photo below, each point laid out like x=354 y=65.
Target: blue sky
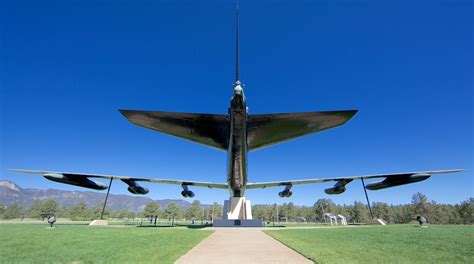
x=67 y=66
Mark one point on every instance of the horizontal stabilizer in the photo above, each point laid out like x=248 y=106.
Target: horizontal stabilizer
x=207 y=129
x=268 y=129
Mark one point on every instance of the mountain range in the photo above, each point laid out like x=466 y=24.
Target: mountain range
x=11 y=193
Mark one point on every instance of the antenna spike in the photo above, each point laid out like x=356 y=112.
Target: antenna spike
x=237 y=44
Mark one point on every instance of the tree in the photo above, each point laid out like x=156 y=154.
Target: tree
x=36 y=209
x=124 y=213
x=194 y=211
x=152 y=208
x=13 y=211
x=274 y=213
x=97 y=212
x=2 y=210
x=359 y=213
x=306 y=212
x=323 y=206
x=80 y=212
x=50 y=207
x=262 y=212
x=466 y=211
x=171 y=211
x=420 y=203
x=216 y=211
x=402 y=214
x=382 y=211
x=289 y=211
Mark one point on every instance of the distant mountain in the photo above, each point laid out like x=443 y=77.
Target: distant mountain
x=11 y=193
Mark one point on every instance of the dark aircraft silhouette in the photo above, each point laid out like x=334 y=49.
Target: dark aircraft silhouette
x=237 y=133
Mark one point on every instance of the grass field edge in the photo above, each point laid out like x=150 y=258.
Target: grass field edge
x=292 y=248
x=200 y=242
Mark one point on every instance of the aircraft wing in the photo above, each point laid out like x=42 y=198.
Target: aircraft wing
x=208 y=129
x=390 y=180
x=268 y=129
x=82 y=180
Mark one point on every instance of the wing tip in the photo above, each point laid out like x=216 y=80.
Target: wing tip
x=129 y=115
x=124 y=112
x=27 y=171
x=456 y=170
x=350 y=113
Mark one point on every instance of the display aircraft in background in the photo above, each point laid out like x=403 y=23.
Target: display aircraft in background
x=237 y=132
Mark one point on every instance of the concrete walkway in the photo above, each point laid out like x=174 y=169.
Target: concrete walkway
x=241 y=245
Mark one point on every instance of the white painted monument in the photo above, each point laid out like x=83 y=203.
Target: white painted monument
x=237 y=212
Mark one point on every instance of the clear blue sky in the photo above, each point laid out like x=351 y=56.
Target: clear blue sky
x=67 y=66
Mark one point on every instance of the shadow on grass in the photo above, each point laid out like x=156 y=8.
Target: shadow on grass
x=69 y=224
x=196 y=226
x=155 y=226
x=189 y=226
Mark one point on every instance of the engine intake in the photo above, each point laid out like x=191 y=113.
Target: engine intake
x=396 y=181
x=187 y=194
x=77 y=180
x=283 y=194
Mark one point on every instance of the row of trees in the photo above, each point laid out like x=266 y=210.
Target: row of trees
x=80 y=211
x=357 y=212
x=41 y=209
x=195 y=211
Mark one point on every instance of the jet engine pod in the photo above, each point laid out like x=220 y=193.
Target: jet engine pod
x=135 y=188
x=187 y=194
x=138 y=190
x=77 y=180
x=335 y=190
x=285 y=193
x=396 y=181
x=339 y=187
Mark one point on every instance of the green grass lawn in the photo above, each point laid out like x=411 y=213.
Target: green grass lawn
x=383 y=244
x=34 y=243
x=294 y=224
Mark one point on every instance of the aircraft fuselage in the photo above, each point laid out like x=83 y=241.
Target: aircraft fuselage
x=237 y=150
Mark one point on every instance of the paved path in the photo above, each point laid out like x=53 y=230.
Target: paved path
x=241 y=245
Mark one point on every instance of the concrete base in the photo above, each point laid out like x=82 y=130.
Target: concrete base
x=99 y=223
x=237 y=223
x=237 y=212
x=237 y=208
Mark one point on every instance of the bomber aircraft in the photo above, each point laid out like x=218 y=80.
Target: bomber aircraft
x=237 y=132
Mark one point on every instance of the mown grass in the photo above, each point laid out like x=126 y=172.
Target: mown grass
x=295 y=224
x=35 y=243
x=382 y=244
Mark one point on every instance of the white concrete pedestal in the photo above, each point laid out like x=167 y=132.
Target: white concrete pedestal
x=237 y=212
x=99 y=223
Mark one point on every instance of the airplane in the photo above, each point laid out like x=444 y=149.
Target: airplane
x=237 y=132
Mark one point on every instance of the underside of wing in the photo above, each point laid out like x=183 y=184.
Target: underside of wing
x=84 y=180
x=391 y=180
x=268 y=129
x=207 y=129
